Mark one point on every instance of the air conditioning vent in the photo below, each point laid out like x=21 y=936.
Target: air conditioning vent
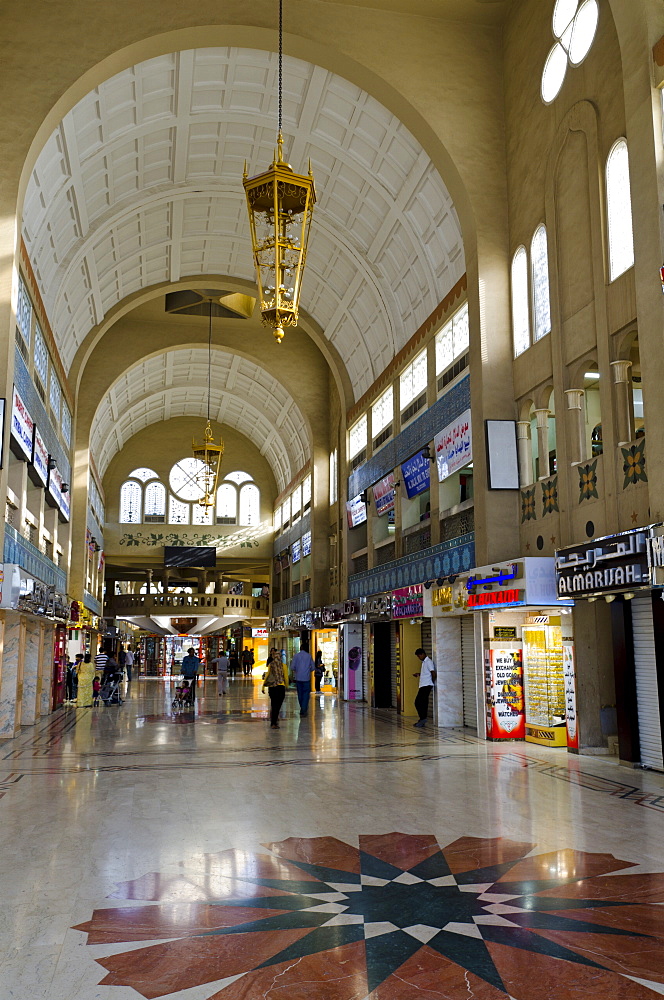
x=383 y=436
x=359 y=458
x=414 y=407
x=225 y=520
x=154 y=518
x=452 y=372
x=21 y=344
x=40 y=388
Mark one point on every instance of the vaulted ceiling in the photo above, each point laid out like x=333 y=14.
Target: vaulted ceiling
x=141 y=183
x=174 y=384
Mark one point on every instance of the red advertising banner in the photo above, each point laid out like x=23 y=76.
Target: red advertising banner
x=505 y=709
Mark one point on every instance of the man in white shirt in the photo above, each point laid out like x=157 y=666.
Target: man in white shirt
x=221 y=664
x=129 y=663
x=427 y=677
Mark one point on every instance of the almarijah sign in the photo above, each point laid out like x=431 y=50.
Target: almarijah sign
x=606 y=565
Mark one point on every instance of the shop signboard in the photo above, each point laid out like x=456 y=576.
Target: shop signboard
x=505 y=703
x=408 y=602
x=376 y=608
x=496 y=598
x=306 y=546
x=259 y=633
x=356 y=511
x=40 y=457
x=383 y=494
x=569 y=673
x=453 y=446
x=296 y=549
x=352 y=645
x=530 y=581
x=415 y=474
x=606 y=565
x=23 y=426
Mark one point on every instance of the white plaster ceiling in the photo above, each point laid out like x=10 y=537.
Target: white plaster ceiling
x=142 y=183
x=174 y=384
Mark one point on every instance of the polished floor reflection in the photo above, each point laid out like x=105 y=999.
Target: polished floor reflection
x=157 y=853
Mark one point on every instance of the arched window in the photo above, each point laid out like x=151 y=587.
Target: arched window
x=250 y=504
x=227 y=504
x=619 y=210
x=520 y=318
x=130 y=503
x=539 y=264
x=143 y=474
x=238 y=477
x=155 y=500
x=178 y=512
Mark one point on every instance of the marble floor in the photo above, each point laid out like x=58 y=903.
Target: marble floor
x=152 y=853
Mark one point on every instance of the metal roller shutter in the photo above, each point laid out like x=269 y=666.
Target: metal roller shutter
x=468 y=671
x=647 y=695
x=427 y=647
x=393 y=661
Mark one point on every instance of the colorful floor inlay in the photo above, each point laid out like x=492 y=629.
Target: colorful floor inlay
x=396 y=918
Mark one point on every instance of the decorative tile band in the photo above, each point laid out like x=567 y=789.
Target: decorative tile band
x=445 y=559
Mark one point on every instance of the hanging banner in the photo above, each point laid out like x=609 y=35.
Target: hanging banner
x=453 y=446
x=296 y=549
x=352 y=642
x=356 y=512
x=22 y=425
x=505 y=708
x=56 y=491
x=383 y=494
x=40 y=457
x=415 y=474
x=569 y=674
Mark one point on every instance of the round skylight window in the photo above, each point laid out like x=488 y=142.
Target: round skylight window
x=574 y=27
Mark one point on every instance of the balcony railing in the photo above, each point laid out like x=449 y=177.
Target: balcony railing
x=19 y=550
x=292 y=606
x=222 y=605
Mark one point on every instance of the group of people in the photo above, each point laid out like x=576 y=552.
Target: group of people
x=82 y=680
x=301 y=668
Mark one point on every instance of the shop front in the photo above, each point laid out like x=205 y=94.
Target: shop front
x=407 y=615
x=378 y=639
x=626 y=571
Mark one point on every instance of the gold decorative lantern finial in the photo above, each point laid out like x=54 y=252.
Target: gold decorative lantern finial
x=280 y=204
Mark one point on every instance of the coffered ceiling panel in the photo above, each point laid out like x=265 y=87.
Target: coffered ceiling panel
x=174 y=384
x=142 y=183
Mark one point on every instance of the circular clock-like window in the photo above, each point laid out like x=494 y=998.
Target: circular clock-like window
x=182 y=478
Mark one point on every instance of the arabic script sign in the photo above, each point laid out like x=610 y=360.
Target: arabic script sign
x=453 y=446
x=612 y=564
x=415 y=474
x=383 y=494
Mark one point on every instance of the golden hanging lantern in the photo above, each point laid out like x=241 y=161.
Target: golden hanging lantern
x=207 y=478
x=280 y=204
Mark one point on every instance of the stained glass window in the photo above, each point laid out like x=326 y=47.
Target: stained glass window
x=413 y=380
x=296 y=503
x=452 y=341
x=182 y=478
x=238 y=477
x=55 y=396
x=250 y=504
x=199 y=515
x=227 y=501
x=357 y=436
x=382 y=412
x=23 y=311
x=65 y=420
x=41 y=356
x=539 y=263
x=574 y=26
x=619 y=210
x=520 y=319
x=306 y=494
x=143 y=474
x=155 y=499
x=178 y=512
x=130 y=503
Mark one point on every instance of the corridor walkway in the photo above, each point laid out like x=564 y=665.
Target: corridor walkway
x=147 y=853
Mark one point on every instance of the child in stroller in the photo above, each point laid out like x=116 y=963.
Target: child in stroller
x=110 y=688
x=184 y=694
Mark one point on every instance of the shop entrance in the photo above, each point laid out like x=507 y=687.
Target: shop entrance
x=382 y=665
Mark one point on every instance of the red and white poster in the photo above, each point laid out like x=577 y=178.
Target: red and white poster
x=569 y=674
x=505 y=716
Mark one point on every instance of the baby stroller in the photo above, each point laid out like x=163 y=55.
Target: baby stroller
x=110 y=689
x=184 y=694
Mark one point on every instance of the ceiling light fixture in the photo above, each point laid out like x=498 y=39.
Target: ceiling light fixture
x=208 y=454
x=280 y=204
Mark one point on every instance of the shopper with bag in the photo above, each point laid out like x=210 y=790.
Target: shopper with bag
x=275 y=682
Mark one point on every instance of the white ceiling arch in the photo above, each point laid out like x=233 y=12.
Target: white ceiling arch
x=174 y=384
x=141 y=184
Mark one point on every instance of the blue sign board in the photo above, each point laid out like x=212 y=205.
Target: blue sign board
x=415 y=474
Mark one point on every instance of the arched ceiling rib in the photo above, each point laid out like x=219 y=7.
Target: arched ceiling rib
x=141 y=183
x=174 y=384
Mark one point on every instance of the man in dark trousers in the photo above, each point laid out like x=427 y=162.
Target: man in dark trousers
x=190 y=667
x=427 y=677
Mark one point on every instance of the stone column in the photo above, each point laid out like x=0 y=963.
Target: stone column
x=10 y=676
x=525 y=452
x=446 y=635
x=575 y=406
x=46 y=668
x=542 y=417
x=30 y=712
x=623 y=403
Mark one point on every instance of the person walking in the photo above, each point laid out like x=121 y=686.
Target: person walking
x=233 y=664
x=100 y=661
x=275 y=682
x=247 y=661
x=427 y=675
x=319 y=669
x=190 y=667
x=129 y=663
x=302 y=667
x=221 y=664
x=86 y=674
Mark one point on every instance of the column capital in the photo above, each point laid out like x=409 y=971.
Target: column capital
x=621 y=370
x=575 y=398
x=523 y=429
x=542 y=417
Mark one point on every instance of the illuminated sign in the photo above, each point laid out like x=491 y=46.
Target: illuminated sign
x=408 y=602
x=442 y=597
x=614 y=563
x=259 y=633
x=453 y=446
x=296 y=549
x=306 y=545
x=22 y=425
x=494 y=597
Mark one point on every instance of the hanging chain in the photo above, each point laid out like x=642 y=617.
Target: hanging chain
x=209 y=361
x=281 y=25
